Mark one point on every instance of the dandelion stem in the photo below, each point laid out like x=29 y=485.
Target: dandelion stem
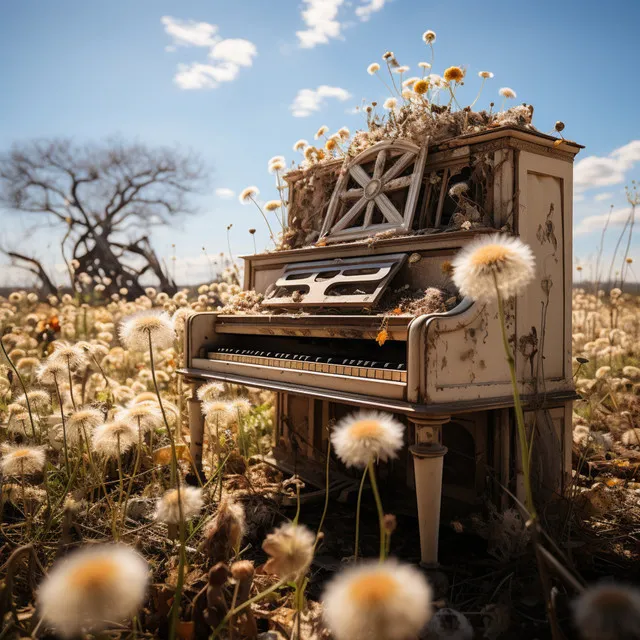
x=273 y=238
x=73 y=402
x=243 y=606
x=64 y=425
x=24 y=389
x=522 y=433
x=358 y=505
x=376 y=495
x=174 y=456
x=326 y=496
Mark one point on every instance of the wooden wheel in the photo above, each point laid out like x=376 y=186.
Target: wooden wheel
x=377 y=191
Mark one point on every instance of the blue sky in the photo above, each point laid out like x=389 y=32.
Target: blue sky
x=89 y=70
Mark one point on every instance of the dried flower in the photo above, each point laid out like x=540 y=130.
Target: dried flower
x=387 y=55
x=361 y=437
x=93 y=588
x=145 y=416
x=424 y=65
x=168 y=507
x=248 y=194
x=507 y=93
x=135 y=331
x=330 y=144
x=290 y=548
x=38 y=398
x=458 y=189
x=401 y=69
x=51 y=371
x=71 y=355
x=485 y=74
x=224 y=532
x=19 y=461
x=373 y=68
x=321 y=131
x=454 y=74
x=429 y=36
x=421 y=87
x=300 y=145
x=390 y=103
x=377 y=601
x=493 y=261
x=344 y=133
x=608 y=612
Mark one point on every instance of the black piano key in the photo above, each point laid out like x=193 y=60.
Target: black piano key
x=401 y=367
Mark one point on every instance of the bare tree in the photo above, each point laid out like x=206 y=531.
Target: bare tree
x=107 y=197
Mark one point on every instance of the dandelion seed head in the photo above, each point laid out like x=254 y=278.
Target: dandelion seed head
x=51 y=371
x=168 y=507
x=210 y=391
x=290 y=551
x=495 y=260
x=361 y=437
x=136 y=329
x=93 y=587
x=507 y=93
x=321 y=131
x=390 y=103
x=300 y=145
x=377 y=601
x=608 y=612
x=424 y=65
x=248 y=194
x=114 y=438
x=401 y=69
x=273 y=205
x=71 y=355
x=485 y=74
x=373 y=68
x=17 y=461
x=429 y=36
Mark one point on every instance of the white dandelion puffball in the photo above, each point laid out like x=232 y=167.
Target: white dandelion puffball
x=168 y=508
x=19 y=461
x=136 y=329
x=508 y=93
x=377 y=601
x=493 y=261
x=114 y=438
x=290 y=550
x=248 y=194
x=390 y=103
x=362 y=437
x=93 y=588
x=82 y=422
x=608 y=612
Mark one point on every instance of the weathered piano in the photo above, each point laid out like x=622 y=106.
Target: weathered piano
x=394 y=217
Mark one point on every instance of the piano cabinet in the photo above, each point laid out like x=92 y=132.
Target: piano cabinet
x=443 y=374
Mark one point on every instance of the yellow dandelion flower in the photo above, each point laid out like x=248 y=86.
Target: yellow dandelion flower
x=421 y=87
x=454 y=74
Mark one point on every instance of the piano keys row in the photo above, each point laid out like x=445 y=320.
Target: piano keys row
x=378 y=370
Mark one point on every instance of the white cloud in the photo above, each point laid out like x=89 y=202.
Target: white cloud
x=364 y=12
x=596 y=223
x=598 y=171
x=578 y=197
x=230 y=54
x=603 y=196
x=225 y=193
x=235 y=50
x=189 y=33
x=320 y=18
x=205 y=76
x=309 y=100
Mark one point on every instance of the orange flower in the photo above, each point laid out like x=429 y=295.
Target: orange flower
x=453 y=74
x=382 y=337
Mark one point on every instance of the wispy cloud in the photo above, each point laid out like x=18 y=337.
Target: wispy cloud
x=364 y=11
x=596 y=223
x=603 y=196
x=309 y=100
x=228 y=55
x=602 y=171
x=225 y=193
x=319 y=17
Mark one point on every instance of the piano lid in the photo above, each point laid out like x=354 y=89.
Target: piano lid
x=349 y=283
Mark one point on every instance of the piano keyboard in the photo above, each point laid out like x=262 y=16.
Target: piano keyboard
x=377 y=370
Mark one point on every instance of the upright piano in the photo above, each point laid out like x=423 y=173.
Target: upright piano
x=333 y=332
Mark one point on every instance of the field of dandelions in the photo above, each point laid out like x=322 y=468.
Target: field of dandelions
x=92 y=527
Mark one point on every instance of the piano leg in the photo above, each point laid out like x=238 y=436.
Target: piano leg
x=428 y=457
x=196 y=430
